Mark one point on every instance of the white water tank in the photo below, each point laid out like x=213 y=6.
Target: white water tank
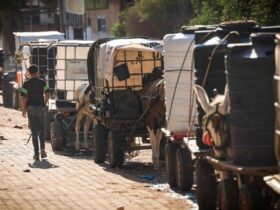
x=178 y=75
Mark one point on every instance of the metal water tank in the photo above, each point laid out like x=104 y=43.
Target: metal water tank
x=250 y=70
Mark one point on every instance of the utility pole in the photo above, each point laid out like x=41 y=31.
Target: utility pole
x=61 y=15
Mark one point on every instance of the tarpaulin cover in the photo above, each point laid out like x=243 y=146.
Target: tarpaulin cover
x=108 y=52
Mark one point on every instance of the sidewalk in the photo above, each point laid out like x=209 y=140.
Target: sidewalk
x=75 y=182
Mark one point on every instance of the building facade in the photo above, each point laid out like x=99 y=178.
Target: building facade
x=94 y=22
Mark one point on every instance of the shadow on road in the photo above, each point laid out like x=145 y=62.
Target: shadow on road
x=44 y=164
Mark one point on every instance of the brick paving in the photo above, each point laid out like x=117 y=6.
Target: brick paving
x=75 y=182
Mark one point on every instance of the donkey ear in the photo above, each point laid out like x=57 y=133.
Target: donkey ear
x=202 y=98
x=224 y=105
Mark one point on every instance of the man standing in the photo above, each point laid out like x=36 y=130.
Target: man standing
x=35 y=96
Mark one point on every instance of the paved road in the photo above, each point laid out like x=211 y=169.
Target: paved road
x=73 y=181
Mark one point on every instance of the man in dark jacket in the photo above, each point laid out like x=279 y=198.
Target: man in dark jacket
x=35 y=96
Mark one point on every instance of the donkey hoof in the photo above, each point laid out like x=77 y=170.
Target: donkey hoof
x=77 y=147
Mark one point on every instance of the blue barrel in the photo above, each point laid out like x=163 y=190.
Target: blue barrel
x=250 y=68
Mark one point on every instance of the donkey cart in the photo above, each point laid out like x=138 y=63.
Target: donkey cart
x=119 y=70
x=67 y=70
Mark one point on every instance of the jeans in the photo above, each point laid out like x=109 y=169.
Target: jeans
x=36 y=115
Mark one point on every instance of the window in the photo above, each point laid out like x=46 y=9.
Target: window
x=78 y=33
x=101 y=24
x=96 y=4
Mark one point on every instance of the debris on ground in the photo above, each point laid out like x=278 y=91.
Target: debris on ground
x=17 y=126
x=148 y=177
x=26 y=170
x=3 y=138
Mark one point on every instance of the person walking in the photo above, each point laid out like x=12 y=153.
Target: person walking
x=35 y=95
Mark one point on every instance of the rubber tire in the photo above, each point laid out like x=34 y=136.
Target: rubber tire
x=184 y=169
x=58 y=140
x=170 y=153
x=115 y=149
x=250 y=198
x=228 y=194
x=47 y=125
x=206 y=185
x=100 y=134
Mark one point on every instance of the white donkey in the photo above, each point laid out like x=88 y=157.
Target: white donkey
x=215 y=122
x=83 y=110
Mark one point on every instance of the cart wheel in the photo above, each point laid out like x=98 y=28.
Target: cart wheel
x=250 y=198
x=206 y=185
x=57 y=136
x=170 y=153
x=99 y=143
x=184 y=169
x=162 y=147
x=228 y=195
x=47 y=125
x=115 y=149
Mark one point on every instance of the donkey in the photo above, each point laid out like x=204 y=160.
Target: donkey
x=83 y=94
x=215 y=122
x=153 y=102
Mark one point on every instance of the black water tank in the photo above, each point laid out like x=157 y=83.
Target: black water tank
x=7 y=88
x=214 y=43
x=250 y=69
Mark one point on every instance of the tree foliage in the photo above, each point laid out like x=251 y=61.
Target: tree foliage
x=11 y=20
x=153 y=18
x=214 y=11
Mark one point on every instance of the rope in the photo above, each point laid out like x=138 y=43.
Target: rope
x=204 y=79
x=177 y=81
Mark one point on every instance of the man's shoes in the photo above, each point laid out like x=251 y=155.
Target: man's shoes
x=36 y=157
x=43 y=153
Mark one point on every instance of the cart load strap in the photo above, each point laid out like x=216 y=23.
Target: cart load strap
x=108 y=51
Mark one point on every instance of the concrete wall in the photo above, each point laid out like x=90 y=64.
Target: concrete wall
x=110 y=15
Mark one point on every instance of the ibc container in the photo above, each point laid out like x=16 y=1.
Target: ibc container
x=177 y=75
x=51 y=65
x=214 y=43
x=250 y=69
x=277 y=99
x=39 y=58
x=178 y=57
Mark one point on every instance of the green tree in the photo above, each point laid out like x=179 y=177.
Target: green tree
x=214 y=11
x=11 y=20
x=154 y=18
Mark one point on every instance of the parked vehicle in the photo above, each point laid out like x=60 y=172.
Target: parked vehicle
x=180 y=109
x=119 y=68
x=242 y=148
x=67 y=70
x=31 y=49
x=209 y=52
